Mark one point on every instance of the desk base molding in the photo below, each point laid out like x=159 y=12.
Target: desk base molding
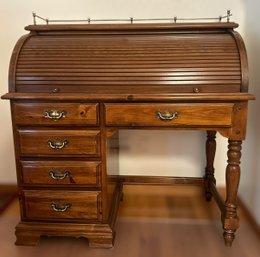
x=99 y=235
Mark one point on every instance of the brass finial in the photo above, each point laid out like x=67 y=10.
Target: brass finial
x=34 y=18
x=228 y=15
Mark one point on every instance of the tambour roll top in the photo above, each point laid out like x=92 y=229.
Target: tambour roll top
x=150 y=58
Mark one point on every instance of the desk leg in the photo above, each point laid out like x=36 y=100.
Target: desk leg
x=229 y=215
x=210 y=155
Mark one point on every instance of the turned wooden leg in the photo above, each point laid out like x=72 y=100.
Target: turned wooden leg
x=209 y=170
x=229 y=215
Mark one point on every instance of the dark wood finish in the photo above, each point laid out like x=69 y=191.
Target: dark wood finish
x=74 y=114
x=134 y=89
x=134 y=27
x=13 y=61
x=210 y=155
x=53 y=204
x=111 y=171
x=8 y=188
x=186 y=115
x=158 y=180
x=98 y=234
x=68 y=173
x=229 y=216
x=243 y=59
x=79 y=142
x=28 y=233
x=238 y=129
x=92 y=80
x=145 y=97
x=138 y=57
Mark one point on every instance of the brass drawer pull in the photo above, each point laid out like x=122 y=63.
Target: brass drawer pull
x=60 y=206
x=55 y=114
x=59 y=175
x=167 y=115
x=57 y=144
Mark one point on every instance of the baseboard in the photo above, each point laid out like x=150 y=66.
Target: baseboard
x=8 y=192
x=249 y=216
x=8 y=188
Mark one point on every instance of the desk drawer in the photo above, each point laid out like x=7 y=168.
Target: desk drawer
x=54 y=204
x=72 y=173
x=168 y=114
x=59 y=142
x=55 y=114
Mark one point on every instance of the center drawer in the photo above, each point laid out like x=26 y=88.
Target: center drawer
x=42 y=142
x=168 y=114
x=53 y=204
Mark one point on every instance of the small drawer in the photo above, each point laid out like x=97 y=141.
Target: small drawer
x=59 y=142
x=55 y=114
x=61 y=173
x=54 y=204
x=169 y=114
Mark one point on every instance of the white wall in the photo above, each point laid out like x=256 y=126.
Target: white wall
x=171 y=153
x=250 y=182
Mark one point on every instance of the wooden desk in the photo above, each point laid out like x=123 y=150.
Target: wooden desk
x=72 y=87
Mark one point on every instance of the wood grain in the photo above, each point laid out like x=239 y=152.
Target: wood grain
x=147 y=115
x=35 y=173
x=80 y=142
x=84 y=204
x=133 y=97
x=153 y=26
x=75 y=114
x=103 y=78
x=122 y=60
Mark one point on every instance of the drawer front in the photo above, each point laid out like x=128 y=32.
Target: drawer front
x=168 y=114
x=61 y=173
x=51 y=204
x=55 y=114
x=59 y=142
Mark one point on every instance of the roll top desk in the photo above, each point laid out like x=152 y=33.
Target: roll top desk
x=72 y=87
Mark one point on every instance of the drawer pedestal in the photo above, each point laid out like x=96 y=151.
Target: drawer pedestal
x=98 y=234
